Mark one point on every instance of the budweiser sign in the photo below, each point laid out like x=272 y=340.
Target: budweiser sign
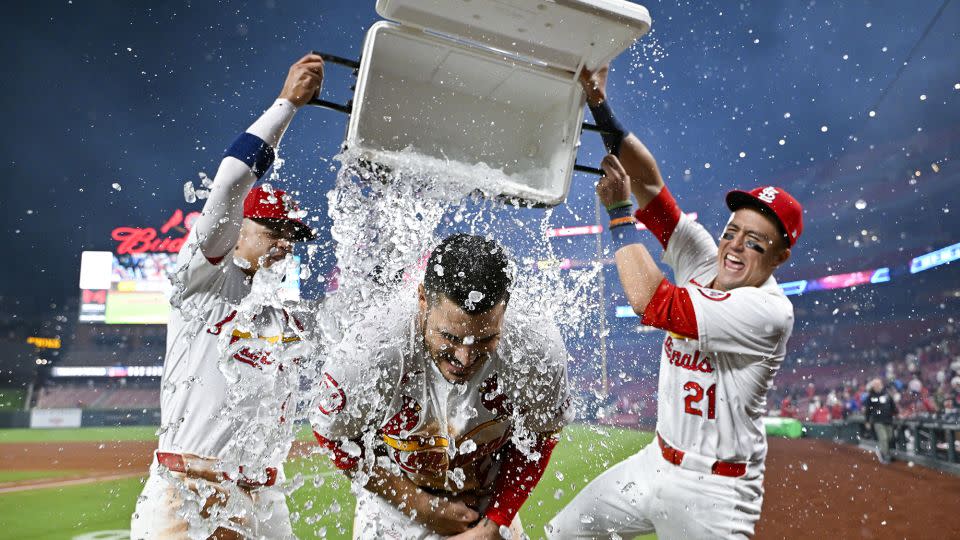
x=152 y=240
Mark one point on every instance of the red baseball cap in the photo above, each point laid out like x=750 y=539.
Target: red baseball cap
x=271 y=203
x=775 y=202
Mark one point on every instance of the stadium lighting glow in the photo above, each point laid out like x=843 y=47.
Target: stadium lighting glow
x=574 y=231
x=593 y=229
x=935 y=258
x=44 y=343
x=836 y=281
x=794 y=287
x=880 y=275
x=107 y=371
x=545 y=264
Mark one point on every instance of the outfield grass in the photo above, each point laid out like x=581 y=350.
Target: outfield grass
x=19 y=476
x=323 y=505
x=62 y=513
x=102 y=434
x=97 y=434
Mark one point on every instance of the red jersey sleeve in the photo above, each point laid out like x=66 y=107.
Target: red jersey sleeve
x=341 y=459
x=671 y=309
x=517 y=478
x=661 y=216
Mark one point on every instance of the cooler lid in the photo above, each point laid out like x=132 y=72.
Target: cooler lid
x=560 y=33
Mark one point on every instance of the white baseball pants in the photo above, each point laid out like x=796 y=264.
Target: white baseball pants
x=645 y=494
x=162 y=510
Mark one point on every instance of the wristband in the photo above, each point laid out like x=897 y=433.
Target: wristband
x=619 y=212
x=610 y=129
x=254 y=151
x=618 y=204
x=623 y=227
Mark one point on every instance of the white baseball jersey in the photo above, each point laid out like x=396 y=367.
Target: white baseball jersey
x=211 y=353
x=712 y=391
x=231 y=356
x=381 y=389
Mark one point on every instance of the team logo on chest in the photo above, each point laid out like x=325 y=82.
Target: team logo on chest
x=693 y=362
x=423 y=454
x=406 y=419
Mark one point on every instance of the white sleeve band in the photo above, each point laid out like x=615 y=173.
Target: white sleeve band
x=274 y=121
x=219 y=224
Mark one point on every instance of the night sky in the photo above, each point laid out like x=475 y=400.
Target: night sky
x=726 y=94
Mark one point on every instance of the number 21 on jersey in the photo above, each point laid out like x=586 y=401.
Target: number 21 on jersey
x=695 y=396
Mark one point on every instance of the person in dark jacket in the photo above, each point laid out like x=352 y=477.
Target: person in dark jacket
x=880 y=410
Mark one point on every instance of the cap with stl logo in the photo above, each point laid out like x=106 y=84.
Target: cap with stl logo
x=775 y=202
x=274 y=204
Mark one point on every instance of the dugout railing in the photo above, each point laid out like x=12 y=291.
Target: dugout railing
x=932 y=442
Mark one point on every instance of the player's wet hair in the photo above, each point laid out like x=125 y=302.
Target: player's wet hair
x=464 y=265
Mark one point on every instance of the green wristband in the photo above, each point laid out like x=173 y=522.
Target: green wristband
x=619 y=204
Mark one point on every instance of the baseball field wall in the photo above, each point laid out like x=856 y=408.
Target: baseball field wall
x=929 y=442
x=47 y=418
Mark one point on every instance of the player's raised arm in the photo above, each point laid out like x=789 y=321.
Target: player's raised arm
x=639 y=273
x=249 y=158
x=645 y=179
x=656 y=207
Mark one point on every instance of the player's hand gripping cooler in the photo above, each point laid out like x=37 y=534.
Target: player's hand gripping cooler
x=488 y=85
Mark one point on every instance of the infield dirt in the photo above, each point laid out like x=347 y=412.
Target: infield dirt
x=818 y=489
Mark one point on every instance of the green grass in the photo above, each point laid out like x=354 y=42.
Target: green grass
x=98 y=434
x=62 y=513
x=103 y=434
x=324 y=503
x=11 y=399
x=18 y=476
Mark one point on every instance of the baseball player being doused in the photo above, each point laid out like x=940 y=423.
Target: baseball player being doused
x=444 y=406
x=229 y=370
x=727 y=324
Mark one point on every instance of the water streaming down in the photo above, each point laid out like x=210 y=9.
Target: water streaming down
x=385 y=223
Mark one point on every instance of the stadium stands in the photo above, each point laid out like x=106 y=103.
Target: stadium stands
x=98 y=395
x=107 y=345
x=924 y=372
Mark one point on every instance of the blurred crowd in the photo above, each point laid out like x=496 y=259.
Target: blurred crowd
x=924 y=382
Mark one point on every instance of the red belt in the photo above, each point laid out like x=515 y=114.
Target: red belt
x=204 y=469
x=721 y=468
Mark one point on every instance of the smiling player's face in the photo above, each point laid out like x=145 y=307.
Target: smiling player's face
x=750 y=249
x=459 y=342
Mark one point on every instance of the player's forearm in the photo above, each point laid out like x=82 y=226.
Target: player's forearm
x=395 y=488
x=639 y=275
x=637 y=160
x=645 y=179
x=517 y=477
x=398 y=490
x=247 y=160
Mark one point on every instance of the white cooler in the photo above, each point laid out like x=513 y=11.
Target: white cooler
x=485 y=82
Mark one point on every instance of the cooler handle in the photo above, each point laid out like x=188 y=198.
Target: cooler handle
x=346 y=62
x=587 y=169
